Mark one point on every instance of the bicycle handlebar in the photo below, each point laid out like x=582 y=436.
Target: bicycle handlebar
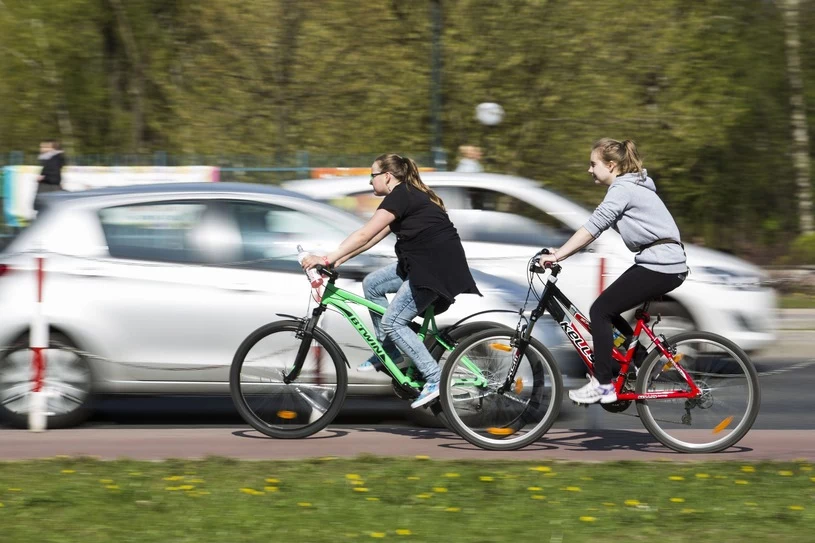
x=534 y=267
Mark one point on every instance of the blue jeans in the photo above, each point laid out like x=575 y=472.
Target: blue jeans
x=393 y=327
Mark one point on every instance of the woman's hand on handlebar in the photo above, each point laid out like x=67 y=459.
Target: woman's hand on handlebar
x=548 y=258
x=312 y=261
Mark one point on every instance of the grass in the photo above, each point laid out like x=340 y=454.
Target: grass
x=796 y=301
x=417 y=499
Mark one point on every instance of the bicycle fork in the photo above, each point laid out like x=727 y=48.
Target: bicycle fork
x=305 y=334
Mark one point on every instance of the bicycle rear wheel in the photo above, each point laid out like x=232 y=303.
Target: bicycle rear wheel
x=724 y=411
x=500 y=421
x=297 y=409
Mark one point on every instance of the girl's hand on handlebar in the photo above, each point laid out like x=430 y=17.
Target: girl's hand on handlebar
x=550 y=258
x=312 y=261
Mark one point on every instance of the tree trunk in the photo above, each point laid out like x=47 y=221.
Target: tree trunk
x=800 y=136
x=136 y=84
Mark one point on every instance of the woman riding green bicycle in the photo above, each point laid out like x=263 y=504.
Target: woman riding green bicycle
x=431 y=268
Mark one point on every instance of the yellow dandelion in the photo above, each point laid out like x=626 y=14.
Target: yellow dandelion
x=372 y=499
x=702 y=476
x=587 y=519
x=676 y=478
x=486 y=478
x=678 y=500
x=413 y=478
x=251 y=491
x=112 y=487
x=689 y=510
x=796 y=507
x=378 y=534
x=403 y=531
x=270 y=488
x=805 y=468
x=424 y=496
x=748 y=469
x=572 y=489
x=272 y=481
x=171 y=488
x=812 y=479
x=452 y=475
x=632 y=503
x=106 y=481
x=741 y=482
x=304 y=504
x=68 y=471
x=1 y=504
x=360 y=489
x=195 y=481
x=15 y=489
x=349 y=476
x=609 y=504
x=203 y=492
x=134 y=473
x=538 y=497
x=439 y=489
x=357 y=482
x=422 y=457
x=534 y=488
x=186 y=487
x=785 y=473
x=543 y=469
x=453 y=509
x=174 y=478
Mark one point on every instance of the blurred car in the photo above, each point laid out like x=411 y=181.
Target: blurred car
x=503 y=220
x=150 y=289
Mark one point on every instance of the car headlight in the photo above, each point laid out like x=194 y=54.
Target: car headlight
x=725 y=277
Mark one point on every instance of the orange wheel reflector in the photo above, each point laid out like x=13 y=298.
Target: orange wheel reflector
x=288 y=415
x=519 y=385
x=722 y=425
x=500 y=347
x=500 y=431
x=677 y=357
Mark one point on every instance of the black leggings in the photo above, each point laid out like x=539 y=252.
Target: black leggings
x=635 y=286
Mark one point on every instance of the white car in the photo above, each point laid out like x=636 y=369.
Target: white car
x=150 y=289
x=504 y=220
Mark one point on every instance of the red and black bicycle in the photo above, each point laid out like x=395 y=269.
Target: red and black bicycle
x=696 y=392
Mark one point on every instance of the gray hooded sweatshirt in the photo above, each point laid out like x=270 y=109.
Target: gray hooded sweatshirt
x=632 y=208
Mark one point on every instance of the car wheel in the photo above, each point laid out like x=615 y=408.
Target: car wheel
x=675 y=318
x=68 y=383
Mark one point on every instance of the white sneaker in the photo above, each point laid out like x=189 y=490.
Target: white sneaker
x=594 y=392
x=429 y=393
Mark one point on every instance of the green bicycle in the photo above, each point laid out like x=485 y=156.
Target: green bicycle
x=289 y=378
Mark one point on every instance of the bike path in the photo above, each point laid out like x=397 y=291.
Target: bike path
x=339 y=441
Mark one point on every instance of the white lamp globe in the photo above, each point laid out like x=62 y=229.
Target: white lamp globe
x=489 y=113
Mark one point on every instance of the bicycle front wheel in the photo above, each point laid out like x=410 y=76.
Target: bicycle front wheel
x=486 y=417
x=726 y=407
x=287 y=410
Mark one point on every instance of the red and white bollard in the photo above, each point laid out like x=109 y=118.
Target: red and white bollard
x=38 y=404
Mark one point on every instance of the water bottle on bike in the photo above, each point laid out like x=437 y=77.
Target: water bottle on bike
x=313 y=275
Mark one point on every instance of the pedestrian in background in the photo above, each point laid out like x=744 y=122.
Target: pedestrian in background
x=52 y=160
x=469 y=161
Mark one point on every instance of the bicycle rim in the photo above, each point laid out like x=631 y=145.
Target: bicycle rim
x=287 y=410
x=493 y=420
x=726 y=407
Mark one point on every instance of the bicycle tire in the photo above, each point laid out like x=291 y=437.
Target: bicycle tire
x=713 y=361
x=288 y=427
x=502 y=431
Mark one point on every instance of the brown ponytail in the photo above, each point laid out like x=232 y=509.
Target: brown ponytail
x=623 y=153
x=406 y=171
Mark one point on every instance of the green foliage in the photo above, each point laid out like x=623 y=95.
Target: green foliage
x=802 y=250
x=701 y=86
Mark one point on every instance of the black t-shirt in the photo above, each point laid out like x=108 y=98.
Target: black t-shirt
x=428 y=248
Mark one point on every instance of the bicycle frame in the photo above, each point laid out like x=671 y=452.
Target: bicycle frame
x=569 y=318
x=340 y=299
